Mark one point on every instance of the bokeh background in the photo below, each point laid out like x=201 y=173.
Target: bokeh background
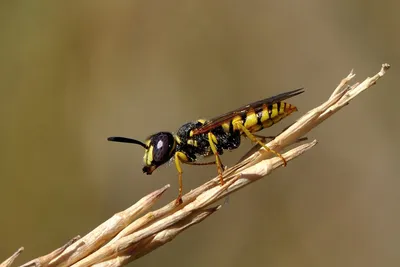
x=73 y=73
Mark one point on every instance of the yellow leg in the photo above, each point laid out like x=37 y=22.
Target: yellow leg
x=179 y=156
x=254 y=139
x=217 y=159
x=182 y=158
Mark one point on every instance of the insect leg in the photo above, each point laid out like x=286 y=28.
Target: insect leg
x=270 y=138
x=264 y=138
x=254 y=139
x=180 y=157
x=211 y=137
x=200 y=163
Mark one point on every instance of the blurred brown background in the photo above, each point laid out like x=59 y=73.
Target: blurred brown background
x=74 y=73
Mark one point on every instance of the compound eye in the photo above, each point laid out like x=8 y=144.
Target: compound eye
x=161 y=148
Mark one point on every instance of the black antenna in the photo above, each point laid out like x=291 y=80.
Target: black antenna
x=126 y=140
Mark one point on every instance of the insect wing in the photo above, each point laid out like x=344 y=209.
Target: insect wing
x=256 y=106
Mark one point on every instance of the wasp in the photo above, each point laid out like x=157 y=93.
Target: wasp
x=212 y=137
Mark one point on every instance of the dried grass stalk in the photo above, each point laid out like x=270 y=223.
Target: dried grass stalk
x=11 y=259
x=126 y=236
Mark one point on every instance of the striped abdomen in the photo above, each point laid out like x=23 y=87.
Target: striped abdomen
x=264 y=118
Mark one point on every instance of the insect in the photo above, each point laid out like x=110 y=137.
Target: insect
x=212 y=137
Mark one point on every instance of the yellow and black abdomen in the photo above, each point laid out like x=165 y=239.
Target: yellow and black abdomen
x=256 y=120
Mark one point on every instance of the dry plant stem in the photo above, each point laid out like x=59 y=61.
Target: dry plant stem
x=44 y=260
x=11 y=259
x=125 y=242
x=151 y=243
x=123 y=238
x=104 y=232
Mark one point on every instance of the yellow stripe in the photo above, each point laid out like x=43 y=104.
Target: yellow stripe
x=265 y=114
x=192 y=142
x=148 y=156
x=226 y=126
x=251 y=120
x=274 y=111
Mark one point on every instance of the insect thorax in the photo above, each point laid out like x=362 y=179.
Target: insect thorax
x=193 y=145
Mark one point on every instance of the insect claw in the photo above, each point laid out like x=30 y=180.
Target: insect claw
x=178 y=201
